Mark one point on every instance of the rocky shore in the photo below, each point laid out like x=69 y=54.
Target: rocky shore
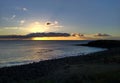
x=99 y=67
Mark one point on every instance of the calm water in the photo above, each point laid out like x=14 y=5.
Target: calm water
x=23 y=52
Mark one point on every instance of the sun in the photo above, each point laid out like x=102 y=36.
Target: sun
x=37 y=27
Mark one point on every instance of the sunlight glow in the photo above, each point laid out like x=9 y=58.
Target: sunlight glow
x=37 y=27
x=57 y=38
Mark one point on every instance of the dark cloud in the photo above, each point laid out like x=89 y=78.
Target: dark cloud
x=13 y=36
x=102 y=35
x=77 y=35
x=48 y=23
x=50 y=34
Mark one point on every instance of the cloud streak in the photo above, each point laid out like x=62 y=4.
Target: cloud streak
x=13 y=16
x=24 y=9
x=10 y=18
x=22 y=22
x=13 y=28
x=102 y=35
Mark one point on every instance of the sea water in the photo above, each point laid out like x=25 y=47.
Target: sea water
x=18 y=52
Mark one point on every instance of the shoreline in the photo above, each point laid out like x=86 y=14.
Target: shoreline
x=54 y=59
x=78 y=51
x=73 y=68
x=30 y=62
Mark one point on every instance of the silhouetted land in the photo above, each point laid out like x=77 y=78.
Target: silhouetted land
x=99 y=67
x=102 y=44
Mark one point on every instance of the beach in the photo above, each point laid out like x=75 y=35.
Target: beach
x=19 y=52
x=98 y=67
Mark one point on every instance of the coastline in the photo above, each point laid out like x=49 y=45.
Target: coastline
x=96 y=67
x=102 y=44
x=24 y=52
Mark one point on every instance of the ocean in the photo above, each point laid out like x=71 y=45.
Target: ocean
x=18 y=52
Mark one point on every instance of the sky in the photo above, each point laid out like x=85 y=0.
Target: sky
x=91 y=18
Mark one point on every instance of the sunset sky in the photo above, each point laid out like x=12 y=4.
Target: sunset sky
x=82 y=19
